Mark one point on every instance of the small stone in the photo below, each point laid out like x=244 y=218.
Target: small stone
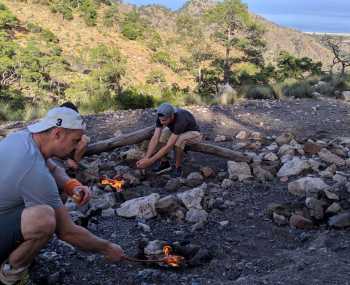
x=300 y=222
x=108 y=213
x=194 y=179
x=193 y=198
x=220 y=138
x=312 y=148
x=207 y=171
x=173 y=184
x=293 y=167
x=240 y=170
x=227 y=183
x=334 y=208
x=316 y=207
x=224 y=223
x=271 y=156
x=330 y=157
x=279 y=219
x=242 y=135
x=340 y=221
x=272 y=147
x=307 y=186
x=144 y=227
x=339 y=178
x=167 y=205
x=196 y=215
x=284 y=138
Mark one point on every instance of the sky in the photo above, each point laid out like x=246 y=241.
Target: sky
x=331 y=16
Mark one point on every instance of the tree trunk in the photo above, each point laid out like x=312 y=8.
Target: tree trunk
x=144 y=134
x=227 y=57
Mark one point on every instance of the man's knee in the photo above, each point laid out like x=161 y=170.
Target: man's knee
x=41 y=220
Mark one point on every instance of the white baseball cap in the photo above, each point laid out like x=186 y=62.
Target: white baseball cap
x=61 y=117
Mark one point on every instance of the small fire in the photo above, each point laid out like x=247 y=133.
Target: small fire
x=115 y=183
x=172 y=260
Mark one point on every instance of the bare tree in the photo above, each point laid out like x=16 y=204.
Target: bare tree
x=340 y=55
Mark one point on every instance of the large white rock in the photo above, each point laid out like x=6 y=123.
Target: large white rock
x=306 y=186
x=241 y=170
x=193 y=198
x=330 y=157
x=143 y=207
x=293 y=167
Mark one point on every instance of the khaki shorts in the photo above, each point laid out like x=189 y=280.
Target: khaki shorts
x=190 y=137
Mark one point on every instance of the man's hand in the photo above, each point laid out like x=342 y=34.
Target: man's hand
x=70 y=163
x=84 y=141
x=85 y=194
x=144 y=163
x=113 y=253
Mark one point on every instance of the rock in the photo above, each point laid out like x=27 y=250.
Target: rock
x=194 y=179
x=340 y=178
x=330 y=195
x=330 y=157
x=131 y=179
x=334 y=208
x=300 y=222
x=194 y=215
x=261 y=173
x=224 y=223
x=143 y=207
x=279 y=219
x=284 y=138
x=227 y=183
x=110 y=199
x=280 y=209
x=340 y=221
x=256 y=136
x=108 y=213
x=329 y=171
x=312 y=148
x=293 y=167
x=240 y=170
x=316 y=207
x=154 y=247
x=307 y=186
x=193 y=198
x=286 y=149
x=346 y=95
x=132 y=154
x=173 y=184
x=242 y=135
x=198 y=226
x=144 y=227
x=120 y=170
x=270 y=156
x=90 y=174
x=272 y=147
x=207 y=171
x=167 y=205
x=315 y=165
x=220 y=138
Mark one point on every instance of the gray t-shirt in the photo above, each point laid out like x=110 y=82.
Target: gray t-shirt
x=25 y=180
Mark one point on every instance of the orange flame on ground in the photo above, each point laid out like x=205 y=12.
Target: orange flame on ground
x=172 y=260
x=116 y=184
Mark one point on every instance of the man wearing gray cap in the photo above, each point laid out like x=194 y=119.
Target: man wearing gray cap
x=175 y=127
x=31 y=210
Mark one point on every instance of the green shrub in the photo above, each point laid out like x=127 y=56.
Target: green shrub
x=110 y=16
x=49 y=36
x=260 y=92
x=164 y=58
x=63 y=8
x=89 y=12
x=7 y=19
x=131 y=31
x=34 y=28
x=156 y=77
x=300 y=89
x=132 y=98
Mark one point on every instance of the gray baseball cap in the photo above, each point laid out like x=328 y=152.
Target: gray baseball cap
x=166 y=110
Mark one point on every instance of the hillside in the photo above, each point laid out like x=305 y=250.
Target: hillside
x=158 y=51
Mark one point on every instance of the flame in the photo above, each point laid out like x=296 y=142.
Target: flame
x=116 y=184
x=172 y=260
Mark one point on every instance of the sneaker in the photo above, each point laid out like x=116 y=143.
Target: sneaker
x=176 y=172
x=10 y=276
x=162 y=167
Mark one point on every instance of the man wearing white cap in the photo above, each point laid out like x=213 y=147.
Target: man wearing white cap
x=175 y=127
x=31 y=210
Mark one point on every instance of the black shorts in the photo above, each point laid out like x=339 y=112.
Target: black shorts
x=10 y=233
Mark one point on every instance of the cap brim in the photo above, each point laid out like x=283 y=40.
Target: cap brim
x=39 y=127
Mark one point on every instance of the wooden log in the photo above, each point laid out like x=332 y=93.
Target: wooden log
x=144 y=134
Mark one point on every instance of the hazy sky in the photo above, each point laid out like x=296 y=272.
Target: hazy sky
x=306 y=15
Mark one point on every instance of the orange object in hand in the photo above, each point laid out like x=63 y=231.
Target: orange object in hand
x=69 y=187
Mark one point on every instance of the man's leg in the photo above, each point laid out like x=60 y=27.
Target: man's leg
x=37 y=225
x=182 y=141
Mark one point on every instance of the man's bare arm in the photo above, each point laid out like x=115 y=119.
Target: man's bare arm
x=153 y=143
x=165 y=149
